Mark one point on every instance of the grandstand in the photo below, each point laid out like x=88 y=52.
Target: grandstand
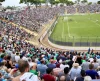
x=66 y=19
x=59 y=42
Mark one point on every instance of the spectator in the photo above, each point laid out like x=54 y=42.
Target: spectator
x=34 y=69
x=91 y=72
x=70 y=63
x=95 y=64
x=66 y=71
x=9 y=63
x=25 y=75
x=62 y=78
x=63 y=65
x=49 y=76
x=82 y=76
x=17 y=57
x=42 y=68
x=87 y=78
x=79 y=59
x=51 y=64
x=75 y=71
x=85 y=65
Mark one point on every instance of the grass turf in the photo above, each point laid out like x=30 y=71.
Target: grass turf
x=77 y=28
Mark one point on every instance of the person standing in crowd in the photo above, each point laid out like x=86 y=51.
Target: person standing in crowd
x=49 y=76
x=33 y=68
x=85 y=65
x=42 y=68
x=75 y=71
x=51 y=64
x=17 y=57
x=25 y=74
x=91 y=72
x=87 y=78
x=70 y=63
x=62 y=78
x=81 y=78
x=95 y=64
x=9 y=63
x=79 y=59
x=65 y=73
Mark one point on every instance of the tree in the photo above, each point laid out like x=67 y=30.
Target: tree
x=67 y=2
x=57 y=2
x=98 y=2
x=2 y=0
x=89 y=3
x=42 y=1
x=52 y=2
x=78 y=1
x=70 y=3
x=35 y=2
x=84 y=1
x=62 y=1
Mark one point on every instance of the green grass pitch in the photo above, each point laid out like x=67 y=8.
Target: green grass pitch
x=78 y=28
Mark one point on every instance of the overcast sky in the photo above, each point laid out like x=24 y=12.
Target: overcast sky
x=16 y=2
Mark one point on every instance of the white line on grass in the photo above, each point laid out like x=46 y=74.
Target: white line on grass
x=87 y=37
x=94 y=22
x=62 y=29
x=68 y=28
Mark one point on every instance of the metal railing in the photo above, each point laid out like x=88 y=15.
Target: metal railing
x=73 y=41
x=81 y=42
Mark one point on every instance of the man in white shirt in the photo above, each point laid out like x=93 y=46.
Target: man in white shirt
x=25 y=74
x=17 y=57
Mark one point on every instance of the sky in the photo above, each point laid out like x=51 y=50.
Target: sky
x=16 y=2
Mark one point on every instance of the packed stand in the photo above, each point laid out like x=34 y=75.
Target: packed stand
x=21 y=61
x=24 y=62
x=32 y=18
x=93 y=8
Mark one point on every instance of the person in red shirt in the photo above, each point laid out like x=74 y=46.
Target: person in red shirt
x=49 y=76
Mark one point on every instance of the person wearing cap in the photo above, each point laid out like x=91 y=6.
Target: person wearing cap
x=75 y=71
x=33 y=68
x=87 y=78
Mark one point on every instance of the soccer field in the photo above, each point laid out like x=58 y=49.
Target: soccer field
x=77 y=28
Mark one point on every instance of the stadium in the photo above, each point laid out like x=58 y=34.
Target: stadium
x=50 y=40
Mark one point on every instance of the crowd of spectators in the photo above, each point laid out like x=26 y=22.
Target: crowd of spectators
x=34 y=18
x=93 y=8
x=25 y=62
x=22 y=61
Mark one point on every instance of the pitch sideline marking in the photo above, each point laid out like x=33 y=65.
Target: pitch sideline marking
x=63 y=30
x=68 y=29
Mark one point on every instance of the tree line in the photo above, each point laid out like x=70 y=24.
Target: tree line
x=54 y=2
